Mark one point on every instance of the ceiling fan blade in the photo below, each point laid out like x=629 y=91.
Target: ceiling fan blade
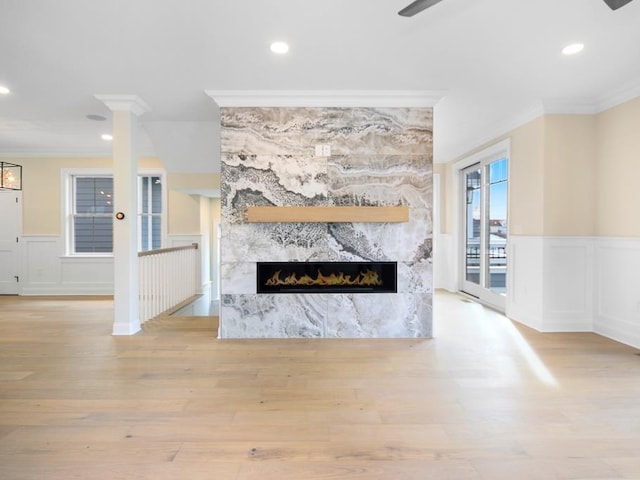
x=616 y=4
x=419 y=5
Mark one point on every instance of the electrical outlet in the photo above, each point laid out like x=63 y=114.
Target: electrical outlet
x=323 y=150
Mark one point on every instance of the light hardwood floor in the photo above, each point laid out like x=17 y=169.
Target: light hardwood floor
x=486 y=399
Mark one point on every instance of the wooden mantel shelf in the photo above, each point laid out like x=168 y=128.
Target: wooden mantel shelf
x=328 y=214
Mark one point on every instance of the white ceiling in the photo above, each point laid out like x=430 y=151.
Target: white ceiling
x=498 y=60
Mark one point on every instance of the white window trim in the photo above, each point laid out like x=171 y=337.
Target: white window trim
x=151 y=172
x=66 y=205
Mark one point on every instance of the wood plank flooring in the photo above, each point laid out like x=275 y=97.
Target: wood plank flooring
x=485 y=400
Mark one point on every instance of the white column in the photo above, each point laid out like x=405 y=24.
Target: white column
x=126 y=109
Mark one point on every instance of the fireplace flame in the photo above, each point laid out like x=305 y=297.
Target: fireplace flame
x=362 y=279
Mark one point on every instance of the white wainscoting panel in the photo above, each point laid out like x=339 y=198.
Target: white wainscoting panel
x=568 y=284
x=87 y=275
x=617 y=310
x=46 y=272
x=525 y=277
x=41 y=261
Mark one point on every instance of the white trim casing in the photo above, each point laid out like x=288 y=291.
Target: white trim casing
x=154 y=172
x=493 y=152
x=66 y=206
x=66 y=175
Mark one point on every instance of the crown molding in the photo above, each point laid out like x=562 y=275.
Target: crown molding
x=592 y=105
x=54 y=153
x=569 y=106
x=128 y=103
x=624 y=93
x=326 y=98
x=546 y=106
x=491 y=133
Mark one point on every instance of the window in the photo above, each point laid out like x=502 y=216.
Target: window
x=90 y=213
x=149 y=213
x=92 y=223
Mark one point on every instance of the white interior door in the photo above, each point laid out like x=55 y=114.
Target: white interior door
x=10 y=218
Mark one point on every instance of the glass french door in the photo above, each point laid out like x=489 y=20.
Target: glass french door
x=484 y=249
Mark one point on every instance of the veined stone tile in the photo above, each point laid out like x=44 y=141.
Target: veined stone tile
x=238 y=277
x=402 y=242
x=421 y=321
x=380 y=131
x=279 y=131
x=416 y=277
x=296 y=131
x=246 y=243
x=380 y=180
x=249 y=180
x=274 y=242
x=273 y=316
x=379 y=316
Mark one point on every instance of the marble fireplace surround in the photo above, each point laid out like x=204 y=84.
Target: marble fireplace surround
x=288 y=214
x=381 y=157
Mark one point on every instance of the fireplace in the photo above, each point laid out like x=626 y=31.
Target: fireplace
x=327 y=277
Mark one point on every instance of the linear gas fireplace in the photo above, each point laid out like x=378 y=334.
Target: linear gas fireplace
x=327 y=277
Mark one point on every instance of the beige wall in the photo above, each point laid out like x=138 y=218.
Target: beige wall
x=618 y=171
x=183 y=202
x=41 y=207
x=526 y=180
x=569 y=175
x=41 y=200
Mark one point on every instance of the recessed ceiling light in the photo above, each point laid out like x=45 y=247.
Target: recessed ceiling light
x=4 y=90
x=96 y=118
x=279 y=47
x=572 y=49
x=106 y=136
